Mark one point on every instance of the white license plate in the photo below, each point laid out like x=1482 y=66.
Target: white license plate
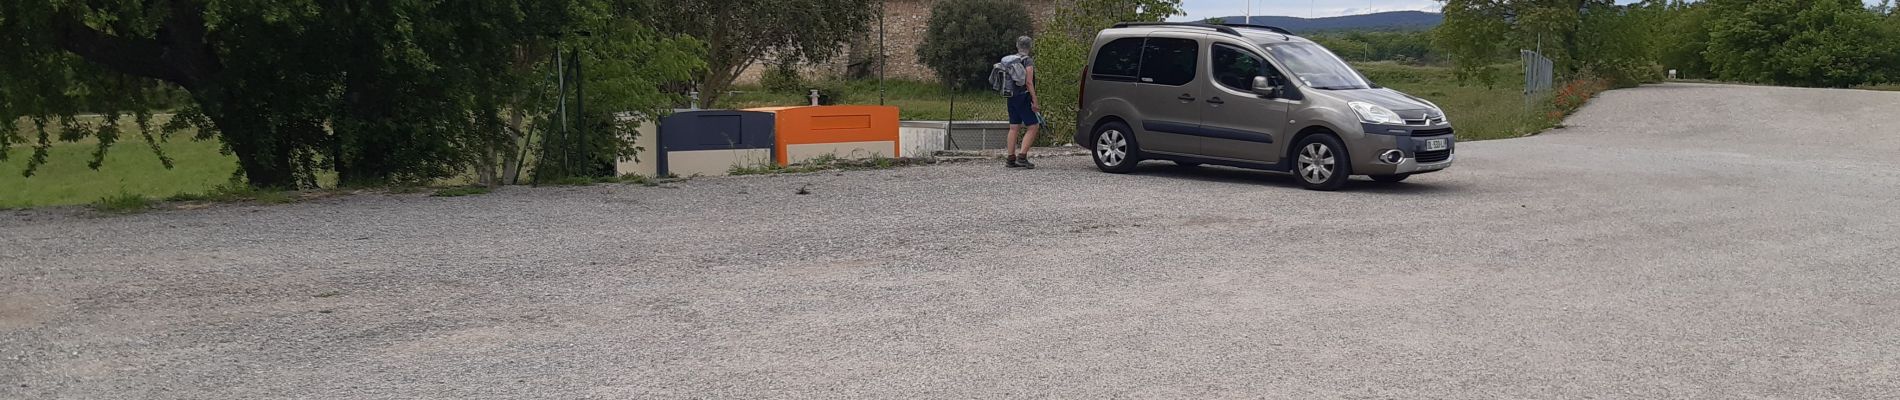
x=1437 y=145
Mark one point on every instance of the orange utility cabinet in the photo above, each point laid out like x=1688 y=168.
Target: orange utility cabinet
x=847 y=132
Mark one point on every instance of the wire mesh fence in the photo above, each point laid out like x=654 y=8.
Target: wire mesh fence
x=1538 y=72
x=1539 y=76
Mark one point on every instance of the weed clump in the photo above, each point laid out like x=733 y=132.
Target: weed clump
x=123 y=203
x=460 y=191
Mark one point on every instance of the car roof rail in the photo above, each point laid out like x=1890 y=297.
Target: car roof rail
x=1273 y=29
x=1219 y=28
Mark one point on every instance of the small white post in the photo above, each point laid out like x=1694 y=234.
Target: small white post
x=814 y=97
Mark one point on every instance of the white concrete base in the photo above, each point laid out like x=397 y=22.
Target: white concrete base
x=923 y=138
x=799 y=153
x=646 y=163
x=715 y=162
x=916 y=140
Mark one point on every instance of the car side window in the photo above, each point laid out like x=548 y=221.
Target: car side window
x=1170 y=61
x=1118 y=60
x=1235 y=68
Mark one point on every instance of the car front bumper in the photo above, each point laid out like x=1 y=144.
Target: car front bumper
x=1407 y=139
x=1411 y=166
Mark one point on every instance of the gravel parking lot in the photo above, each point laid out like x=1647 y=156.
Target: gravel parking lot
x=1675 y=241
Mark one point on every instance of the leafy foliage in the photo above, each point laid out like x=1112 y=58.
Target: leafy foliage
x=741 y=33
x=1062 y=53
x=376 y=91
x=965 y=37
x=1683 y=35
x=1598 y=36
x=1836 y=43
x=783 y=78
x=1471 y=36
x=1617 y=43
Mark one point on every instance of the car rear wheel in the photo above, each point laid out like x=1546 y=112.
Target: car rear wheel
x=1391 y=178
x=1115 y=149
x=1321 y=163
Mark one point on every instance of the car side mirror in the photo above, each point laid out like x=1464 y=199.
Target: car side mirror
x=1266 y=86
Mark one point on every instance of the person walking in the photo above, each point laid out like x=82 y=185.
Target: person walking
x=1025 y=111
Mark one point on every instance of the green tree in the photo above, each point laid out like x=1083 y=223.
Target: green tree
x=374 y=90
x=1835 y=43
x=739 y=34
x=964 y=38
x=1477 y=35
x=1062 y=53
x=1683 y=37
x=1619 y=43
x=1578 y=35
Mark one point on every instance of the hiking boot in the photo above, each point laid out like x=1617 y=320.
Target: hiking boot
x=1024 y=163
x=1012 y=163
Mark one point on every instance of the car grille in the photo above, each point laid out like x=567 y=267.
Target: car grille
x=1426 y=120
x=1428 y=157
x=1432 y=132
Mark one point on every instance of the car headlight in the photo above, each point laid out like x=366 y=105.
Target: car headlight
x=1374 y=114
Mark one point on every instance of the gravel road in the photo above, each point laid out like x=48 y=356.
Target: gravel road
x=1675 y=241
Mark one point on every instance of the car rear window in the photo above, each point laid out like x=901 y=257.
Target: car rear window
x=1118 y=60
x=1170 y=61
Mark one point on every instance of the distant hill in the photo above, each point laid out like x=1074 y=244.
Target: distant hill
x=1385 y=21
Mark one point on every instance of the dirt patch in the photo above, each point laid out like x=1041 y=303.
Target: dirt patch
x=18 y=313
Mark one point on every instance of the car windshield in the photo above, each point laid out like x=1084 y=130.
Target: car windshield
x=1317 y=67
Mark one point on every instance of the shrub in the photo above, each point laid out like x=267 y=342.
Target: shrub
x=1059 y=63
x=783 y=78
x=1573 y=95
x=966 y=37
x=1626 y=73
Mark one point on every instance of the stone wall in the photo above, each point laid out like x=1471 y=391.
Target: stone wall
x=905 y=22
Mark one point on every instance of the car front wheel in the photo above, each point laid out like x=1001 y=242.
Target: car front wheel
x=1321 y=163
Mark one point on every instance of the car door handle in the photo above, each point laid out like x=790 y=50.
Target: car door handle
x=1216 y=101
x=1185 y=98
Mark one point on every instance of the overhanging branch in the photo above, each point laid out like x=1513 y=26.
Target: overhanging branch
x=176 y=56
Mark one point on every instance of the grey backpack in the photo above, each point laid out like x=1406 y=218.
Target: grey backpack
x=1005 y=76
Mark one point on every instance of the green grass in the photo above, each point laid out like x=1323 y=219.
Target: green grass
x=123 y=203
x=130 y=167
x=1479 y=112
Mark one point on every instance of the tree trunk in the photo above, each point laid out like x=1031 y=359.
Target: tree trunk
x=265 y=163
x=511 y=162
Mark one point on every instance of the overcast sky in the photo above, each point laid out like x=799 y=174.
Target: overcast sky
x=1204 y=9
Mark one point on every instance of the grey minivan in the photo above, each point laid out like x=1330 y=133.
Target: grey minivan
x=1253 y=97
